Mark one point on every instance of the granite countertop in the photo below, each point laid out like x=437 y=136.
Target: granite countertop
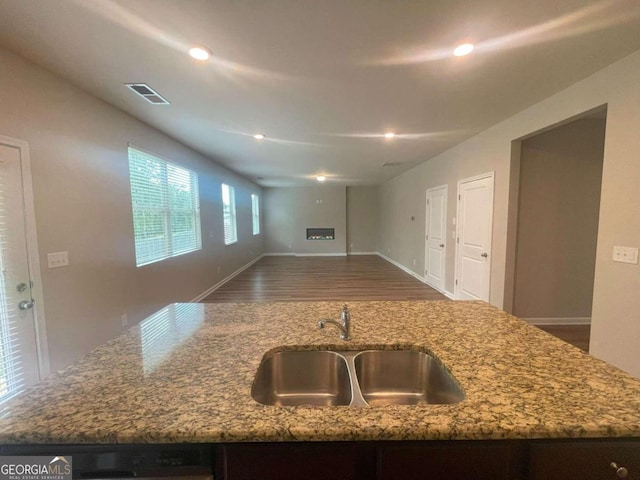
x=185 y=375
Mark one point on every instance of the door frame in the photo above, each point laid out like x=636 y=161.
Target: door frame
x=44 y=365
x=456 y=287
x=427 y=232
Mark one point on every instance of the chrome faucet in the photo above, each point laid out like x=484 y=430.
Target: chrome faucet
x=344 y=324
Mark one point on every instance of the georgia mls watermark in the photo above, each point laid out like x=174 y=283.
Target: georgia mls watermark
x=35 y=468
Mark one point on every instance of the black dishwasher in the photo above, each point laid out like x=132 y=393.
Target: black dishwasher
x=141 y=462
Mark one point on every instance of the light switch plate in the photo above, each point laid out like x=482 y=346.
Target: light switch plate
x=625 y=254
x=58 y=259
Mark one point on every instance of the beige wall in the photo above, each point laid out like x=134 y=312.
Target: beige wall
x=279 y=220
x=615 y=325
x=616 y=313
x=79 y=161
x=560 y=181
x=362 y=219
x=290 y=211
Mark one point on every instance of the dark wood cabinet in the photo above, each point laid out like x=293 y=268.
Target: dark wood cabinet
x=431 y=460
x=568 y=459
x=372 y=460
x=584 y=460
x=459 y=460
x=296 y=461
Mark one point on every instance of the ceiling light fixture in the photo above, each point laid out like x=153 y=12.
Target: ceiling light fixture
x=200 y=53
x=321 y=178
x=389 y=135
x=464 y=49
x=258 y=136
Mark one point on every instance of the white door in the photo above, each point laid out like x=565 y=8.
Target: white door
x=473 y=247
x=436 y=235
x=19 y=363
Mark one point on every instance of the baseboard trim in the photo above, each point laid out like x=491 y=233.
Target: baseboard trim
x=363 y=253
x=404 y=269
x=320 y=254
x=210 y=290
x=309 y=254
x=447 y=294
x=558 y=320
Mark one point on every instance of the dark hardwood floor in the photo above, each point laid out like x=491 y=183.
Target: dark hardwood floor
x=358 y=277
x=577 y=335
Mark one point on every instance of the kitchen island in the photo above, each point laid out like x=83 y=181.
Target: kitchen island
x=184 y=376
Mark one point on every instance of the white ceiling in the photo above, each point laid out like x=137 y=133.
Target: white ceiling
x=322 y=79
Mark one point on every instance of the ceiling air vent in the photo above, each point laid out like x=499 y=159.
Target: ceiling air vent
x=392 y=164
x=148 y=93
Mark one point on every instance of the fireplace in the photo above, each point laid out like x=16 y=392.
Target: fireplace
x=321 y=234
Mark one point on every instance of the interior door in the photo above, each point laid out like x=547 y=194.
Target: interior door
x=436 y=235
x=475 y=222
x=18 y=344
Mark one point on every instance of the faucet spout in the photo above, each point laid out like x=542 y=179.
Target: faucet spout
x=344 y=325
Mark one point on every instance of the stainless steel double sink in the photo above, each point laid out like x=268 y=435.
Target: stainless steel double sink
x=354 y=378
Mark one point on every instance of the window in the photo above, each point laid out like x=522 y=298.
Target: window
x=229 y=213
x=255 y=213
x=166 y=208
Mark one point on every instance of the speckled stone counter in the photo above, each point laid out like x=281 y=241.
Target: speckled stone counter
x=185 y=375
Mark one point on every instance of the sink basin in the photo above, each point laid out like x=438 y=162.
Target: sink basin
x=295 y=378
x=404 y=377
x=356 y=378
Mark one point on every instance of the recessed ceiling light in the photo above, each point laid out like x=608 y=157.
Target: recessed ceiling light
x=321 y=178
x=199 y=53
x=258 y=136
x=389 y=135
x=464 y=49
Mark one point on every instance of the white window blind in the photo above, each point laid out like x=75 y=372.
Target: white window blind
x=12 y=368
x=255 y=213
x=229 y=214
x=166 y=208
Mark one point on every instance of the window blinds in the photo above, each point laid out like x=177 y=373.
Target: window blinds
x=12 y=368
x=255 y=213
x=229 y=214
x=166 y=208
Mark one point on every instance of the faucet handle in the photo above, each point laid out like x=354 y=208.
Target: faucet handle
x=345 y=315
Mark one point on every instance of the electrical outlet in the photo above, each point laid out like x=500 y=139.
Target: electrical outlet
x=58 y=259
x=625 y=254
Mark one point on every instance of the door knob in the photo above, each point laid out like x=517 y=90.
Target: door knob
x=26 y=305
x=484 y=255
x=621 y=472
x=442 y=245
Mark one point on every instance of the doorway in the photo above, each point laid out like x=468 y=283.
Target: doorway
x=436 y=237
x=558 y=204
x=22 y=343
